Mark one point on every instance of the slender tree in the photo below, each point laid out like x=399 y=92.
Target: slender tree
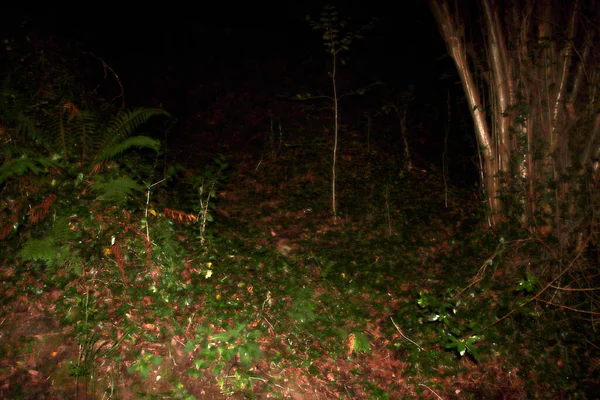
x=335 y=43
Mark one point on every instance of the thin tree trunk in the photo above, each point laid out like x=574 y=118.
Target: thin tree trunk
x=453 y=35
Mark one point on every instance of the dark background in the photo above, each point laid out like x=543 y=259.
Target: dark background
x=187 y=59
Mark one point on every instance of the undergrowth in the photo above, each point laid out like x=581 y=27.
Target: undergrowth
x=163 y=280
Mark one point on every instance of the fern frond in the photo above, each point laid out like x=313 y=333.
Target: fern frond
x=39 y=249
x=360 y=343
x=117 y=191
x=47 y=249
x=26 y=128
x=20 y=166
x=87 y=137
x=13 y=150
x=125 y=123
x=78 y=131
x=14 y=113
x=64 y=126
x=135 y=141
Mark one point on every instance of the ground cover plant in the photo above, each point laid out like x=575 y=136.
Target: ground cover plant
x=130 y=270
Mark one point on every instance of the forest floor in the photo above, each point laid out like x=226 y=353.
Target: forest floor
x=396 y=298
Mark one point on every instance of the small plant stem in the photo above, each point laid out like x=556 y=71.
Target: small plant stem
x=259 y=162
x=387 y=210
x=444 y=155
x=204 y=211
x=431 y=390
x=204 y=204
x=402 y=121
x=148 y=206
x=275 y=147
x=403 y=335
x=335 y=130
x=368 y=134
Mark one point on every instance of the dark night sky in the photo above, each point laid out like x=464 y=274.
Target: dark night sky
x=142 y=44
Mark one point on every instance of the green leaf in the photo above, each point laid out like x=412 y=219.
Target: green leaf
x=221 y=337
x=194 y=373
x=461 y=348
x=228 y=354
x=253 y=335
x=202 y=330
x=144 y=370
x=433 y=317
x=189 y=346
x=210 y=355
x=255 y=351
x=201 y=364
x=216 y=371
x=245 y=357
x=473 y=351
x=156 y=360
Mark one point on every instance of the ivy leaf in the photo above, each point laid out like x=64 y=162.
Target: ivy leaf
x=156 y=360
x=189 y=346
x=144 y=370
x=245 y=357
x=461 y=348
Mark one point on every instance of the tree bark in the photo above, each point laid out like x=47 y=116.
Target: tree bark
x=541 y=118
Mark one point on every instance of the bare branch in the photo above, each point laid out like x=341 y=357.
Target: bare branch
x=107 y=67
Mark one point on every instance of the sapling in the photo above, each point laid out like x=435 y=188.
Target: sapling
x=335 y=43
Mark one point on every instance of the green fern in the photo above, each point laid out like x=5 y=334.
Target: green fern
x=125 y=123
x=73 y=137
x=73 y=132
x=20 y=166
x=76 y=132
x=52 y=247
x=117 y=191
x=39 y=249
x=55 y=257
x=85 y=135
x=135 y=141
x=16 y=114
x=361 y=343
x=62 y=126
